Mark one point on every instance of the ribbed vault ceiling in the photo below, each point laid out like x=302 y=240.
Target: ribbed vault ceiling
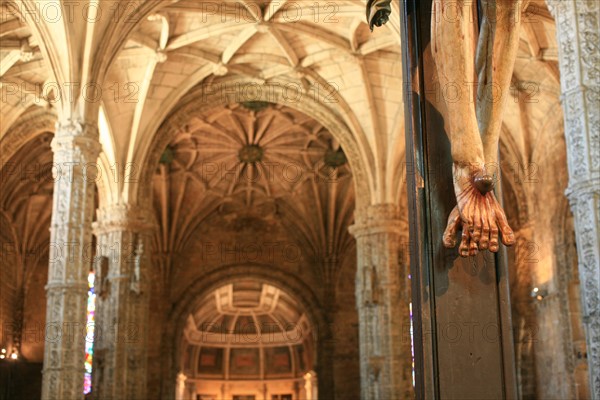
x=260 y=161
x=185 y=43
x=248 y=329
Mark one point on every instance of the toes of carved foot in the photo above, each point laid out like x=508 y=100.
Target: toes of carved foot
x=449 y=242
x=473 y=250
x=463 y=249
x=508 y=238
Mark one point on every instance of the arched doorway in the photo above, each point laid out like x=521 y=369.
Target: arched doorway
x=261 y=186
x=248 y=340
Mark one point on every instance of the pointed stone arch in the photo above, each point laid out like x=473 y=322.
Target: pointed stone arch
x=30 y=124
x=270 y=93
x=189 y=300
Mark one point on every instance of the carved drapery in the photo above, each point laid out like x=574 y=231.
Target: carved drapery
x=122 y=293
x=578 y=34
x=76 y=150
x=383 y=297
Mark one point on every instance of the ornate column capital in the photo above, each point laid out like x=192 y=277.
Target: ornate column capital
x=71 y=127
x=379 y=218
x=554 y=6
x=583 y=188
x=75 y=137
x=122 y=288
x=124 y=217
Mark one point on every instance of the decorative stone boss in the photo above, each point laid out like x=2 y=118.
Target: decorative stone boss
x=478 y=69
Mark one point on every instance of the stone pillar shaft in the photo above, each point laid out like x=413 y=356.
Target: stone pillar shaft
x=325 y=372
x=383 y=297
x=120 y=344
x=327 y=348
x=76 y=150
x=578 y=35
x=181 y=378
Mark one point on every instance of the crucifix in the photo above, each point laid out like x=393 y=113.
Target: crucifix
x=463 y=340
x=478 y=69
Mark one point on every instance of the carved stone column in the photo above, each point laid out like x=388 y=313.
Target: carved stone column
x=325 y=372
x=190 y=390
x=181 y=378
x=383 y=297
x=122 y=293
x=76 y=150
x=578 y=35
x=310 y=385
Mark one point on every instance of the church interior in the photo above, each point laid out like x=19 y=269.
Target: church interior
x=208 y=200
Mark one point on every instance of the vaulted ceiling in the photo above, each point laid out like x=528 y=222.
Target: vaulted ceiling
x=321 y=60
x=325 y=52
x=26 y=185
x=256 y=161
x=248 y=307
x=151 y=53
x=23 y=69
x=252 y=320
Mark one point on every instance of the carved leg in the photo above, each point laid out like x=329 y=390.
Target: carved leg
x=481 y=216
x=496 y=54
x=453 y=47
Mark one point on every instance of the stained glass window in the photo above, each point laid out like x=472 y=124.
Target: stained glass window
x=89 y=339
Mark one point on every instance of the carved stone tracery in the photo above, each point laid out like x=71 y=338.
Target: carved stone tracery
x=75 y=146
x=578 y=34
x=383 y=297
x=122 y=268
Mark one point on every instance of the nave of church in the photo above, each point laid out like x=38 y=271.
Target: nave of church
x=212 y=201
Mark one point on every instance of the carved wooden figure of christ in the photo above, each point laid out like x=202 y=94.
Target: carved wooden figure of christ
x=478 y=68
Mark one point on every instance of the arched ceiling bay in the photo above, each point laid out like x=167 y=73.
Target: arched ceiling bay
x=323 y=51
x=259 y=161
x=23 y=70
x=26 y=186
x=250 y=318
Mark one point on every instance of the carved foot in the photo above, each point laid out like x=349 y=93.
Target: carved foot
x=480 y=217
